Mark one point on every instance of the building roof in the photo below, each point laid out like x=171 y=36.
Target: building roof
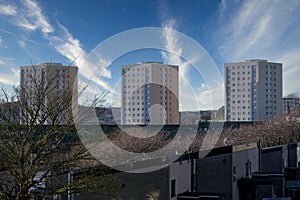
x=196 y=195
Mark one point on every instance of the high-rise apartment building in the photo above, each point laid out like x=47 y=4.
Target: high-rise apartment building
x=149 y=94
x=290 y=104
x=253 y=90
x=60 y=84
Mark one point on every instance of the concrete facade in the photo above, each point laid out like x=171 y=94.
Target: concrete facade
x=151 y=185
x=180 y=174
x=253 y=90
x=149 y=94
x=222 y=168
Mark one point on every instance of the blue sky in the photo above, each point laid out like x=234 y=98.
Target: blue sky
x=33 y=31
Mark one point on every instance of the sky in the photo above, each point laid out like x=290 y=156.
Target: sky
x=72 y=32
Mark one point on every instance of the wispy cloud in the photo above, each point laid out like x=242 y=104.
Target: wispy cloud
x=33 y=18
x=254 y=27
x=192 y=95
x=172 y=55
x=261 y=29
x=172 y=44
x=11 y=76
x=71 y=48
x=291 y=71
x=21 y=43
x=8 y=10
x=30 y=17
x=223 y=7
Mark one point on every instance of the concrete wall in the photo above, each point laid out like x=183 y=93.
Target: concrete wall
x=181 y=172
x=214 y=174
x=292 y=155
x=298 y=154
x=239 y=160
x=138 y=186
x=272 y=160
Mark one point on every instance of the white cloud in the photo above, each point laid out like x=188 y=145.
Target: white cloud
x=223 y=7
x=8 y=74
x=30 y=17
x=9 y=78
x=65 y=44
x=291 y=71
x=8 y=10
x=262 y=29
x=254 y=28
x=192 y=95
x=71 y=48
x=172 y=44
x=21 y=43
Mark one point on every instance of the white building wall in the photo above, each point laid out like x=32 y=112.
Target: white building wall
x=239 y=160
x=181 y=172
x=146 y=97
x=253 y=90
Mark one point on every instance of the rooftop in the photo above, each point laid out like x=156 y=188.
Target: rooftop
x=256 y=60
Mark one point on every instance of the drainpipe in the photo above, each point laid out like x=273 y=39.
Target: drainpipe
x=192 y=176
x=259 y=155
x=70 y=182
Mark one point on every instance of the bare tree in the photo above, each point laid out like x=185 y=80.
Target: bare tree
x=282 y=130
x=39 y=145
